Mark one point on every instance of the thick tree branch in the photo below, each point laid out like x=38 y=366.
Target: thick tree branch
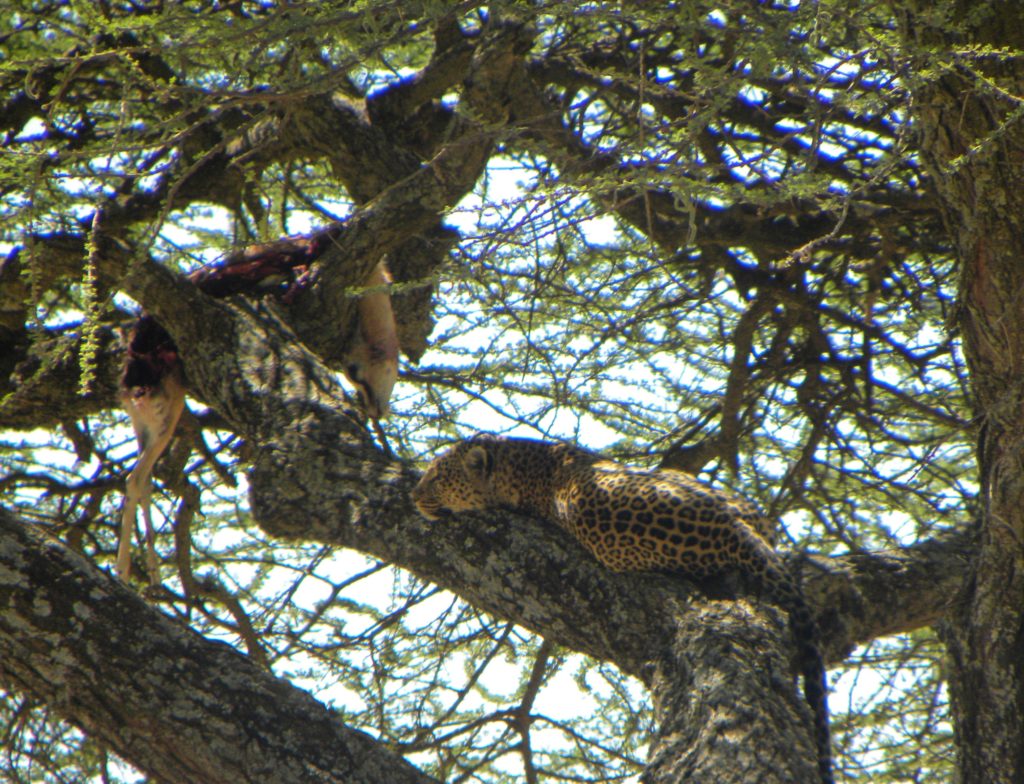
x=863 y=596
x=969 y=112
x=179 y=707
x=318 y=477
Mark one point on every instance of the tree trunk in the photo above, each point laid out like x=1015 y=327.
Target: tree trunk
x=969 y=113
x=726 y=710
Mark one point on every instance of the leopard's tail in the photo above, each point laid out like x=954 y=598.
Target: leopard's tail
x=781 y=587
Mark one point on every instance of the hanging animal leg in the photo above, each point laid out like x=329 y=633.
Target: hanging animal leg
x=372 y=362
x=153 y=394
x=154 y=413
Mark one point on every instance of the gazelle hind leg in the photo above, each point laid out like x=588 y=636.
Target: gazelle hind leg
x=124 y=541
x=152 y=562
x=138 y=493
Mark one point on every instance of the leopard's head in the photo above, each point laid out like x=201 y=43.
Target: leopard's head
x=458 y=480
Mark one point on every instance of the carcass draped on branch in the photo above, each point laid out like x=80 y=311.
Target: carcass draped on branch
x=152 y=384
x=282 y=267
x=153 y=393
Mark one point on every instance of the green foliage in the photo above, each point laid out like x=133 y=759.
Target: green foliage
x=732 y=268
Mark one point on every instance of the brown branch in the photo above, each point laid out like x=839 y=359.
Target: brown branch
x=524 y=712
x=863 y=596
x=720 y=713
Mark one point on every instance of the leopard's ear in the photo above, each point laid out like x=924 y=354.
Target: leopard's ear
x=479 y=462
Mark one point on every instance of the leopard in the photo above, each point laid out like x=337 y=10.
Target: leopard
x=632 y=520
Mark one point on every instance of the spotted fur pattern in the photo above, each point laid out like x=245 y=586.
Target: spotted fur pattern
x=631 y=520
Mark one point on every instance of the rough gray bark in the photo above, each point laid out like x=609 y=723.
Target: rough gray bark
x=182 y=708
x=319 y=477
x=724 y=701
x=863 y=596
x=969 y=115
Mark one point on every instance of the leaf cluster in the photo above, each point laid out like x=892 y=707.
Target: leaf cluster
x=702 y=241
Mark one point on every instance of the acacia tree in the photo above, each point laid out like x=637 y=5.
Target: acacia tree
x=740 y=239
